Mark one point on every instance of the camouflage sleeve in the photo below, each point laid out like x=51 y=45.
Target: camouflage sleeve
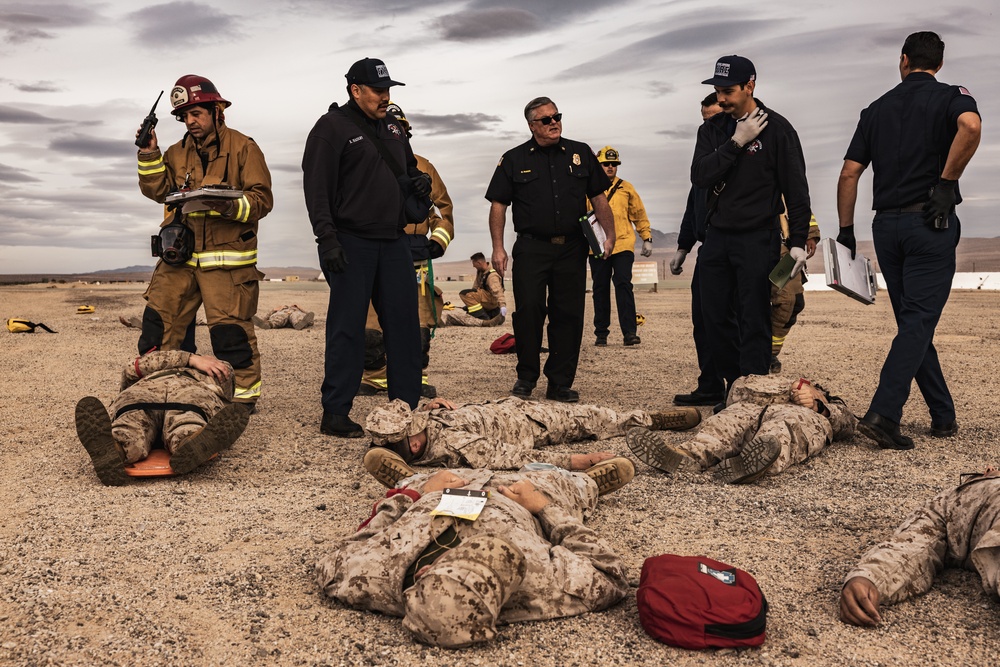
x=905 y=565
x=151 y=363
x=595 y=574
x=385 y=512
x=842 y=420
x=461 y=449
x=495 y=287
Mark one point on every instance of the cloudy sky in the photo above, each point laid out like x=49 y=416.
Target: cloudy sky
x=76 y=79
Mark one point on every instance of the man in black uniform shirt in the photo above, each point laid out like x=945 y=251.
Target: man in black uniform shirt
x=355 y=204
x=918 y=138
x=548 y=179
x=711 y=387
x=751 y=156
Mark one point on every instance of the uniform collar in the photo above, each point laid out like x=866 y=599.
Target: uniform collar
x=534 y=146
x=919 y=76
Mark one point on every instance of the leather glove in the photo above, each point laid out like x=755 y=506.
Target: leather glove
x=647 y=248
x=748 y=127
x=799 y=255
x=436 y=250
x=334 y=260
x=677 y=263
x=421 y=184
x=941 y=204
x=846 y=239
x=503 y=310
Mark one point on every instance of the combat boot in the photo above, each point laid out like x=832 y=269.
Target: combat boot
x=222 y=430
x=387 y=466
x=260 y=322
x=305 y=321
x=650 y=448
x=611 y=475
x=93 y=427
x=753 y=461
x=775 y=365
x=678 y=419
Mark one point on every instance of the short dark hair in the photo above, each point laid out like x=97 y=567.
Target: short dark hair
x=478 y=257
x=710 y=99
x=534 y=104
x=924 y=49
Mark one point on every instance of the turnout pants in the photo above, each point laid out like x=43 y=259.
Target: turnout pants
x=550 y=280
x=230 y=296
x=918 y=264
x=615 y=269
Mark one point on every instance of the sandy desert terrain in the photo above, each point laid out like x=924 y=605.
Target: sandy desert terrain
x=215 y=567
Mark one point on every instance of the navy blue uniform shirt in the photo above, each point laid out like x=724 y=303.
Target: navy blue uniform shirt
x=548 y=186
x=906 y=135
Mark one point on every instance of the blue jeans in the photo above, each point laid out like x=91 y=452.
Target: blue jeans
x=917 y=263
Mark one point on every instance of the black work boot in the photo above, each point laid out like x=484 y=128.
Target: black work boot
x=341 y=426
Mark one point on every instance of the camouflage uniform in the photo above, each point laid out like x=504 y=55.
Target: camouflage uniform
x=506 y=434
x=509 y=566
x=758 y=405
x=460 y=318
x=283 y=316
x=155 y=382
x=960 y=527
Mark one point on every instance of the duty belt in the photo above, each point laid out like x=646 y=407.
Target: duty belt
x=912 y=208
x=558 y=240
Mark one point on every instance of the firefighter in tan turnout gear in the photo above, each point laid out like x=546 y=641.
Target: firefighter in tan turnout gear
x=222 y=268
x=960 y=527
x=789 y=301
x=428 y=241
x=183 y=399
x=486 y=299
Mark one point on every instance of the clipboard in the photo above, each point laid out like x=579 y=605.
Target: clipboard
x=194 y=200
x=853 y=277
x=594 y=233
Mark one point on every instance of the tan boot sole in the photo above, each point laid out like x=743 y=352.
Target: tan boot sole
x=221 y=431
x=93 y=427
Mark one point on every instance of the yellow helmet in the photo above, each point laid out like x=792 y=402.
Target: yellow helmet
x=639 y=319
x=608 y=154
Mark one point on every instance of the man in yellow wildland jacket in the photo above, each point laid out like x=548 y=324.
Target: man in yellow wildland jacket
x=630 y=217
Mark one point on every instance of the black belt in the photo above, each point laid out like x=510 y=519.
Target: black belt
x=558 y=240
x=912 y=208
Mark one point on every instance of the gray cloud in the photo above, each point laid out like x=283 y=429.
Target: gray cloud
x=481 y=24
x=685 y=133
x=550 y=9
x=25 y=22
x=37 y=87
x=9 y=114
x=90 y=147
x=453 y=123
x=10 y=174
x=717 y=35
x=177 y=23
x=660 y=88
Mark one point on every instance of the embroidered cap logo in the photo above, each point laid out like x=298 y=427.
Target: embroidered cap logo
x=382 y=71
x=722 y=69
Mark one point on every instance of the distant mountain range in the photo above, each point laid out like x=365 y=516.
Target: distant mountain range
x=974 y=255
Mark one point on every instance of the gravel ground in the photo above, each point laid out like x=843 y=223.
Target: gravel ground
x=215 y=567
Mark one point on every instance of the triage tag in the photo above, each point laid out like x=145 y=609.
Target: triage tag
x=461 y=503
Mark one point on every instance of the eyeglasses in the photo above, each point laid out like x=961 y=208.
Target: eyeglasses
x=609 y=164
x=547 y=120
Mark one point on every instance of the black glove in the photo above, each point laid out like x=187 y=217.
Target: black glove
x=941 y=204
x=421 y=184
x=436 y=250
x=334 y=260
x=846 y=239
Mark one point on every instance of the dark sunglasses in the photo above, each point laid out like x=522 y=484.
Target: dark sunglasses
x=547 y=120
x=609 y=164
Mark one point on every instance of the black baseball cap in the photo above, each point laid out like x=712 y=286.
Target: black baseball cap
x=371 y=72
x=732 y=71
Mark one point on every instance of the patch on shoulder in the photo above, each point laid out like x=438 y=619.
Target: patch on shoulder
x=501 y=161
x=964 y=91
